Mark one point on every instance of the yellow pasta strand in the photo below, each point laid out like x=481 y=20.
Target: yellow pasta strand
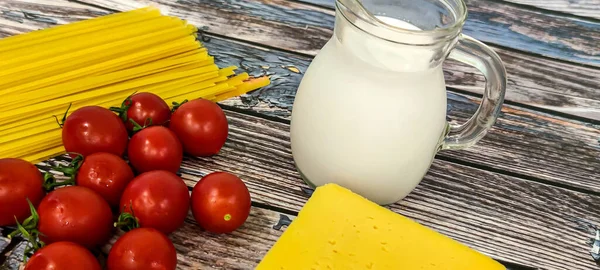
x=170 y=50
x=85 y=41
x=76 y=28
x=100 y=62
x=78 y=85
x=36 y=157
x=82 y=58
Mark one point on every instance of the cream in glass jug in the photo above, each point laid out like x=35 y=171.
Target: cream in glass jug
x=370 y=112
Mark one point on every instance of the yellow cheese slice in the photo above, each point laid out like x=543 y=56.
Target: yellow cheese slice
x=338 y=229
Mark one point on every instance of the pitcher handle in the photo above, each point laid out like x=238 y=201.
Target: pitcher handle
x=474 y=53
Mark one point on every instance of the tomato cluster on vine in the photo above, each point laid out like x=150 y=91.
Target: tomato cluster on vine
x=104 y=191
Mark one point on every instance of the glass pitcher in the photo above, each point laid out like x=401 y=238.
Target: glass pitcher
x=370 y=112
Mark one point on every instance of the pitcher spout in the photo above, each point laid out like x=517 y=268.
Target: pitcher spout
x=400 y=35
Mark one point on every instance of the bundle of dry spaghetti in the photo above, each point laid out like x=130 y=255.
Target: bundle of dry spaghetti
x=101 y=62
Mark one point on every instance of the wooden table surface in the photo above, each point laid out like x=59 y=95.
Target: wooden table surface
x=522 y=195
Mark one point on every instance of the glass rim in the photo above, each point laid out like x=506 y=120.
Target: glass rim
x=445 y=33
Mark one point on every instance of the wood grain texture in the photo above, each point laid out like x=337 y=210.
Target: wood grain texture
x=198 y=249
x=519 y=221
x=536 y=32
x=513 y=220
x=4 y=242
x=490 y=21
x=14 y=258
x=21 y=16
x=539 y=82
x=242 y=249
x=584 y=8
x=523 y=142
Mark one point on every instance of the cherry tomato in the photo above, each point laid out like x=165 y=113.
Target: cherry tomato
x=159 y=199
x=75 y=214
x=63 y=255
x=201 y=126
x=220 y=202
x=143 y=107
x=19 y=181
x=106 y=174
x=94 y=129
x=142 y=249
x=155 y=148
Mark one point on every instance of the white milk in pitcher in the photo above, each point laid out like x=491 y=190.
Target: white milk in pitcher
x=369 y=115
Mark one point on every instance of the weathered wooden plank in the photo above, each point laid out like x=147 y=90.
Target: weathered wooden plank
x=270 y=174
x=534 y=81
x=242 y=249
x=198 y=249
x=514 y=220
x=584 y=8
x=565 y=152
x=489 y=21
x=27 y=15
x=4 y=242
x=511 y=219
x=537 y=82
x=525 y=142
x=536 y=32
x=248 y=20
x=14 y=258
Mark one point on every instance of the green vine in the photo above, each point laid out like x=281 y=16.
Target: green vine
x=137 y=127
x=61 y=122
x=127 y=220
x=50 y=182
x=125 y=105
x=176 y=105
x=28 y=230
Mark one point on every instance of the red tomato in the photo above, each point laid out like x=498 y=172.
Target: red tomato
x=142 y=249
x=155 y=148
x=75 y=214
x=63 y=255
x=144 y=106
x=94 y=129
x=106 y=174
x=201 y=126
x=159 y=199
x=19 y=180
x=220 y=202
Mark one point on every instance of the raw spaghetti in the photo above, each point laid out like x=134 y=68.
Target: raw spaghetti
x=101 y=62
